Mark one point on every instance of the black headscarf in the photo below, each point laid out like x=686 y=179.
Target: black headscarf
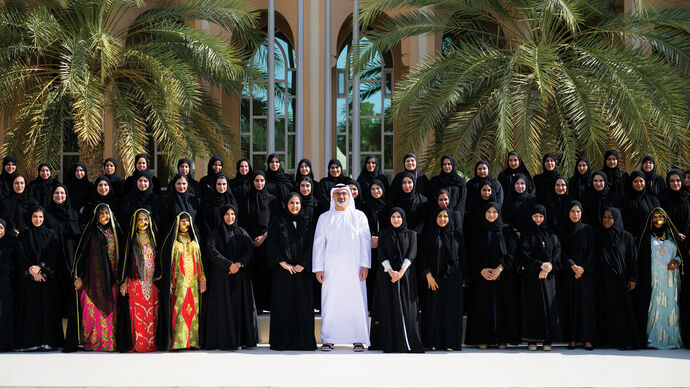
x=498 y=224
x=177 y=203
x=241 y=184
x=258 y=204
x=79 y=189
x=279 y=177
x=375 y=203
x=35 y=239
x=209 y=167
x=140 y=199
x=452 y=178
x=408 y=200
x=516 y=206
x=335 y=180
x=544 y=182
x=40 y=189
x=366 y=178
x=442 y=244
x=496 y=243
x=359 y=201
x=522 y=169
x=65 y=213
x=15 y=207
x=571 y=227
x=308 y=200
x=220 y=199
x=615 y=176
x=394 y=244
x=116 y=182
x=133 y=265
x=92 y=263
x=298 y=174
x=223 y=210
x=538 y=236
x=6 y=179
x=580 y=182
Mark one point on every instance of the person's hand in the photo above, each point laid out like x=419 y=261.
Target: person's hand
x=15 y=232
x=363 y=273
x=202 y=286
x=288 y=267
x=496 y=272
x=433 y=286
x=547 y=267
x=395 y=276
x=298 y=268
x=374 y=242
x=320 y=277
x=673 y=265
x=260 y=240
x=631 y=285
x=37 y=277
x=78 y=284
x=123 y=288
x=487 y=273
x=578 y=270
x=543 y=274
x=682 y=236
x=235 y=267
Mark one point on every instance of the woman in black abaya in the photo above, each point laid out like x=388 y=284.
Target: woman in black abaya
x=581 y=180
x=492 y=313
x=442 y=262
x=289 y=247
x=655 y=184
x=213 y=170
x=41 y=188
x=305 y=187
x=16 y=206
x=597 y=199
x=103 y=193
x=474 y=185
x=518 y=204
x=557 y=206
x=676 y=202
x=578 y=303
x=509 y=175
x=335 y=176
x=616 y=177
x=242 y=182
x=141 y=165
x=617 y=271
x=180 y=198
x=9 y=172
x=64 y=220
x=79 y=187
x=454 y=185
x=38 y=326
x=255 y=215
x=7 y=285
x=540 y=256
x=371 y=171
x=278 y=182
x=545 y=181
x=142 y=196
x=637 y=204
x=116 y=182
x=394 y=315
x=412 y=202
x=211 y=216
x=184 y=166
x=410 y=166
x=230 y=315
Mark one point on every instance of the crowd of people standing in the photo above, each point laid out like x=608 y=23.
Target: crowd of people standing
x=596 y=259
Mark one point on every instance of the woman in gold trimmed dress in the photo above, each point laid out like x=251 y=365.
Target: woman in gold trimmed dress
x=181 y=285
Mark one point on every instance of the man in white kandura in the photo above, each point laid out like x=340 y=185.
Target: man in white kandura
x=341 y=261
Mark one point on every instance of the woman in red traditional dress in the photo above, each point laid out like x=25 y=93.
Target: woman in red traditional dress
x=136 y=285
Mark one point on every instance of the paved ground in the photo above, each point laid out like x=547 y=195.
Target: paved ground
x=342 y=367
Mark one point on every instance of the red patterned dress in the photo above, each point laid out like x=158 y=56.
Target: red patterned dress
x=143 y=303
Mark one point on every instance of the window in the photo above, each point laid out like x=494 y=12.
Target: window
x=159 y=167
x=70 y=154
x=254 y=109
x=376 y=92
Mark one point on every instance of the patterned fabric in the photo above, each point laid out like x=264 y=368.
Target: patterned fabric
x=98 y=330
x=663 y=330
x=143 y=305
x=187 y=272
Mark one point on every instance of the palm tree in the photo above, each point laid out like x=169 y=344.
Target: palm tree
x=566 y=76
x=67 y=65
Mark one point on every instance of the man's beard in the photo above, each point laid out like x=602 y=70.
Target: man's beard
x=341 y=204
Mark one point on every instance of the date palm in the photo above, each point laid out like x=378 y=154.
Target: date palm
x=566 y=76
x=68 y=65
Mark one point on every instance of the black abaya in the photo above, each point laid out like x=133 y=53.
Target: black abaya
x=492 y=313
x=37 y=321
x=540 y=305
x=578 y=302
x=616 y=265
x=454 y=185
x=394 y=316
x=290 y=239
x=7 y=285
x=230 y=315
x=443 y=255
x=636 y=207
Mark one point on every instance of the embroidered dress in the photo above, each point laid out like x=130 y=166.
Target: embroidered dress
x=143 y=304
x=663 y=329
x=187 y=272
x=98 y=327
